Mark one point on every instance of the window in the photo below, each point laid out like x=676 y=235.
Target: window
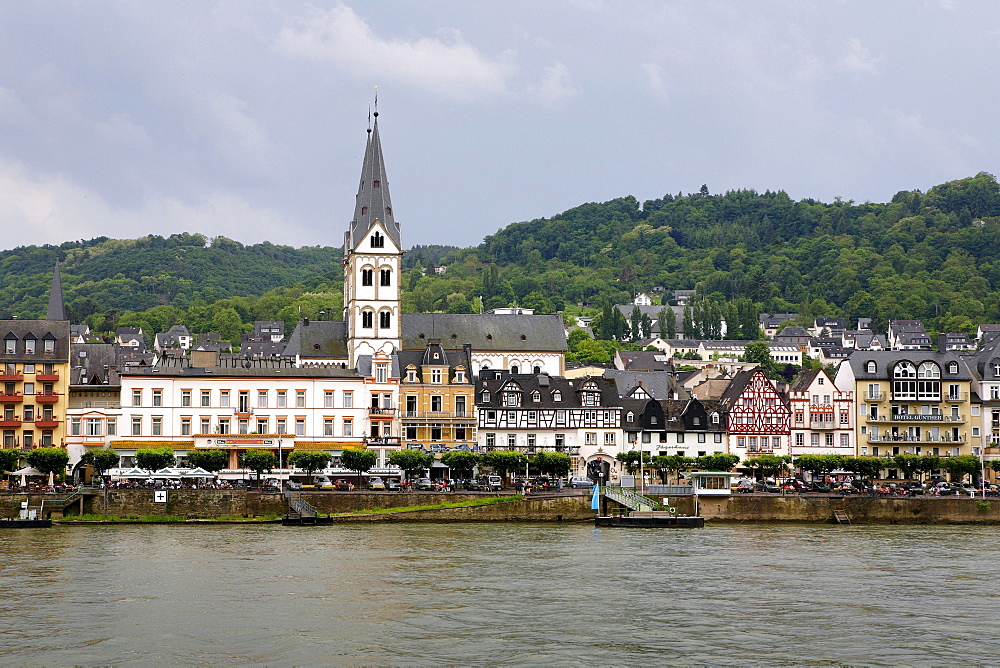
x=280 y=426
x=459 y=376
x=798 y=416
x=224 y=398
x=46 y=437
x=300 y=398
x=29 y=368
x=437 y=404
x=718 y=438
x=185 y=398
x=261 y=425
x=74 y=427
x=112 y=427
x=282 y=399
x=243 y=402
x=436 y=376
x=261 y=398
x=556 y=395
x=29 y=413
x=845 y=441
x=29 y=346
x=384 y=320
x=828 y=440
x=952 y=367
x=49 y=346
x=205 y=426
x=460 y=433
x=491 y=440
x=328 y=399
x=157 y=426
x=799 y=440
x=9 y=346
x=366 y=277
x=871 y=367
x=536 y=396
x=206 y=398
x=28 y=438
x=411 y=433
x=609 y=438
x=680 y=437
x=328 y=427
x=460 y=406
x=366 y=319
x=381 y=373
x=975 y=432
x=348 y=399
x=185 y=426
x=300 y=427
x=435 y=432
x=223 y=425
x=844 y=419
x=348 y=427
x=137 y=426
x=385 y=277
x=485 y=396
x=411 y=375
x=590 y=438
x=511 y=440
x=137 y=397
x=377 y=240
x=157 y=397
x=814 y=440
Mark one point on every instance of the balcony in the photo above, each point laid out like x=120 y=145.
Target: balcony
x=375 y=410
x=47 y=377
x=46 y=423
x=13 y=398
x=46 y=398
x=938 y=397
x=382 y=440
x=11 y=376
x=11 y=421
x=874 y=396
x=906 y=417
x=823 y=424
x=437 y=415
x=906 y=438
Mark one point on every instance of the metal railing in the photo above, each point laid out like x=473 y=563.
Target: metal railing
x=301 y=506
x=628 y=498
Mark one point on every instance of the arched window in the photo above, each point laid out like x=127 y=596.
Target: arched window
x=384 y=320
x=515 y=368
x=366 y=277
x=385 y=277
x=929 y=370
x=929 y=383
x=378 y=241
x=556 y=395
x=952 y=367
x=536 y=396
x=872 y=367
x=366 y=319
x=536 y=369
x=904 y=384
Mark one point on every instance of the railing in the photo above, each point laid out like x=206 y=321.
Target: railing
x=914 y=439
x=822 y=424
x=46 y=398
x=670 y=490
x=12 y=397
x=373 y=410
x=629 y=499
x=301 y=506
x=874 y=396
x=916 y=417
x=437 y=415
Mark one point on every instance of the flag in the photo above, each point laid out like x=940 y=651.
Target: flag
x=595 y=503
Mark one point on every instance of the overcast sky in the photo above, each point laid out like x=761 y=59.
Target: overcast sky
x=248 y=119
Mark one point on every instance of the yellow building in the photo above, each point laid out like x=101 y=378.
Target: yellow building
x=437 y=399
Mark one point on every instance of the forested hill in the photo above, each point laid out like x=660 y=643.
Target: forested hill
x=934 y=255
x=109 y=277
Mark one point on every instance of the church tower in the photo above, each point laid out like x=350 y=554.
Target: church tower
x=372 y=262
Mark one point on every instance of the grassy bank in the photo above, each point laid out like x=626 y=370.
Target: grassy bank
x=437 y=506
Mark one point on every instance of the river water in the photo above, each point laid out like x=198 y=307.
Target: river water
x=455 y=594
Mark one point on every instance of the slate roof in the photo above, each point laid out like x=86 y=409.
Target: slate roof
x=57 y=307
x=418 y=358
x=486 y=332
x=545 y=385
x=804 y=380
x=325 y=339
x=645 y=360
x=885 y=359
x=39 y=330
x=239 y=367
x=793 y=331
x=372 y=202
x=94 y=364
x=657 y=383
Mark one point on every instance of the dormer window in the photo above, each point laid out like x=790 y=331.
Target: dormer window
x=536 y=396
x=871 y=367
x=630 y=416
x=485 y=396
x=411 y=376
x=49 y=346
x=10 y=345
x=376 y=183
x=952 y=367
x=556 y=395
x=715 y=418
x=511 y=399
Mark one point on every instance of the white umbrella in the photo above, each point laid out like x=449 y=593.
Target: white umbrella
x=198 y=473
x=26 y=471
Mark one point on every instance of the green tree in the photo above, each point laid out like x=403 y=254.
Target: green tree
x=411 y=462
x=154 y=459
x=505 y=462
x=210 y=460
x=10 y=457
x=101 y=460
x=462 y=463
x=665 y=464
x=757 y=352
x=554 y=464
x=358 y=460
x=908 y=464
x=960 y=465
x=49 y=460
x=866 y=467
x=717 y=462
x=259 y=461
x=765 y=464
x=310 y=461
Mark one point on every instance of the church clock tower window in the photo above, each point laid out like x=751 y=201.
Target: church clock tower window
x=366 y=277
x=378 y=241
x=366 y=319
x=385 y=320
x=385 y=278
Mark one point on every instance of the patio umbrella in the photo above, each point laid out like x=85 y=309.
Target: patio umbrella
x=198 y=473
x=26 y=471
x=166 y=472
x=134 y=474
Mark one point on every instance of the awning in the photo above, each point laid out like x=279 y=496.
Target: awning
x=134 y=474
x=198 y=473
x=166 y=473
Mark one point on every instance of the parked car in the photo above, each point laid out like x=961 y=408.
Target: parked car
x=744 y=487
x=392 y=485
x=819 y=486
x=376 y=482
x=766 y=487
x=342 y=485
x=794 y=485
x=423 y=484
x=490 y=483
x=578 y=482
x=293 y=485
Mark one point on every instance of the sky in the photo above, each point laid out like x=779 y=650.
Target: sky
x=248 y=119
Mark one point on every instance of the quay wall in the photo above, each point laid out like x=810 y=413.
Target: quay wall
x=861 y=509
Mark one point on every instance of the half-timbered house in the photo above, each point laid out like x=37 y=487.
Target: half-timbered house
x=758 y=415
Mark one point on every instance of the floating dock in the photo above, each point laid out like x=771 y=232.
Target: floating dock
x=652 y=519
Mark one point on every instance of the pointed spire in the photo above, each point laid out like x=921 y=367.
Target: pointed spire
x=373 y=201
x=57 y=307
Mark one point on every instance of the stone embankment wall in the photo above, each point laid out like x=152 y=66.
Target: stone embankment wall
x=861 y=509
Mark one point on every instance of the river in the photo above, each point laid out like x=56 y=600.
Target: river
x=454 y=594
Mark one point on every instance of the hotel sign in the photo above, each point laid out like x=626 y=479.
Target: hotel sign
x=241 y=441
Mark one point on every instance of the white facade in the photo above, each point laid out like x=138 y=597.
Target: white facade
x=372 y=305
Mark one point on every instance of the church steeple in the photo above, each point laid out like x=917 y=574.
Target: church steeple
x=373 y=202
x=57 y=307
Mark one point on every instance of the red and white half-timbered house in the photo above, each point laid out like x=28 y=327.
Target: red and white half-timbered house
x=758 y=416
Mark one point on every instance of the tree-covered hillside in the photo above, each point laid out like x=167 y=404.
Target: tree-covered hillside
x=933 y=256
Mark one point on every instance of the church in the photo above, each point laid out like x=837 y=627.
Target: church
x=373 y=323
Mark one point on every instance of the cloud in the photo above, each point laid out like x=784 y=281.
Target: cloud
x=448 y=66
x=51 y=209
x=556 y=85
x=858 y=58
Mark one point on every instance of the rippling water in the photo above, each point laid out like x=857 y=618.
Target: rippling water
x=455 y=594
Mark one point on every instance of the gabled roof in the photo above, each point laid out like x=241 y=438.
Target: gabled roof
x=373 y=203
x=570 y=390
x=326 y=339
x=486 y=332
x=804 y=380
x=656 y=383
